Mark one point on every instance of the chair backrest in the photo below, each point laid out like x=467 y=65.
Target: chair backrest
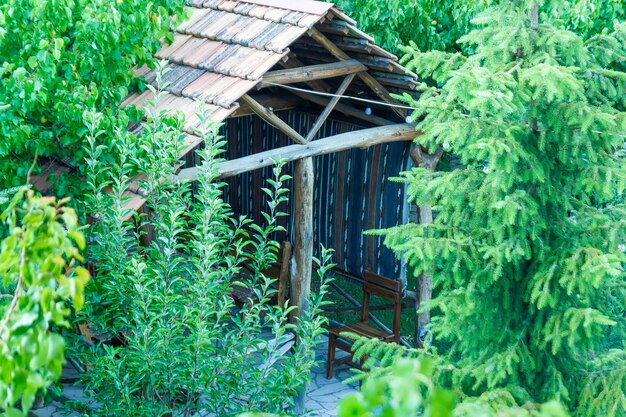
x=387 y=288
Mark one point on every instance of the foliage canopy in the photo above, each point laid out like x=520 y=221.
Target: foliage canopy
x=527 y=248
x=60 y=58
x=438 y=24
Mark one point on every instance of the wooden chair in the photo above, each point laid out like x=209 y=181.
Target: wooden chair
x=373 y=284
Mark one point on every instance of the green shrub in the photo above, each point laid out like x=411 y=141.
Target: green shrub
x=38 y=274
x=185 y=346
x=405 y=389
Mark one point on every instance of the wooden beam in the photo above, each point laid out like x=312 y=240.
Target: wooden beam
x=342 y=142
x=319 y=85
x=271 y=118
x=302 y=259
x=364 y=76
x=293 y=62
x=272 y=102
x=329 y=107
x=345 y=109
x=311 y=73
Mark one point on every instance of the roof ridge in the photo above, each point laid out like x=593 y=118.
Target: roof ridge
x=246 y=8
x=305 y=6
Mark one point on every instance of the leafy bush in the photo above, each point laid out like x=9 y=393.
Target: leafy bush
x=184 y=346
x=527 y=249
x=38 y=263
x=60 y=58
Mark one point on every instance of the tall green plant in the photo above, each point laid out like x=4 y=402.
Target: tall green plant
x=526 y=251
x=60 y=58
x=39 y=281
x=185 y=346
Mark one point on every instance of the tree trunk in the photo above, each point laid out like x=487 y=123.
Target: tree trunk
x=423 y=159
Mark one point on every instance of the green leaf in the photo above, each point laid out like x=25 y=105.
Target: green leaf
x=32 y=62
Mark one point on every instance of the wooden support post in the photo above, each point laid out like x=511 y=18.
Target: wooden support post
x=302 y=259
x=364 y=76
x=284 y=273
x=311 y=73
x=271 y=118
x=329 y=107
x=424 y=293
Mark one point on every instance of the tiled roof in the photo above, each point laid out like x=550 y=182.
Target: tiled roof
x=226 y=47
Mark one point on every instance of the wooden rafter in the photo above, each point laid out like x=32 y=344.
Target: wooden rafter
x=329 y=107
x=337 y=143
x=311 y=73
x=271 y=118
x=320 y=85
x=364 y=76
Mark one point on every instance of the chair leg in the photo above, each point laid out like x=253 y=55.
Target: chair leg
x=331 y=356
x=362 y=362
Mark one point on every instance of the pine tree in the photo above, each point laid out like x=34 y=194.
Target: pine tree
x=527 y=248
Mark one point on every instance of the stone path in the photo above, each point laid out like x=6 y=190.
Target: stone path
x=321 y=398
x=323 y=394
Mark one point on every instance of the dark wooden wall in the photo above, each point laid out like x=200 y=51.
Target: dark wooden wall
x=353 y=192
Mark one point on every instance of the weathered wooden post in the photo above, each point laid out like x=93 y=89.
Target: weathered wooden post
x=421 y=158
x=301 y=262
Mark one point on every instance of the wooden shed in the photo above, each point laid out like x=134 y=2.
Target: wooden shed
x=277 y=73
x=296 y=79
